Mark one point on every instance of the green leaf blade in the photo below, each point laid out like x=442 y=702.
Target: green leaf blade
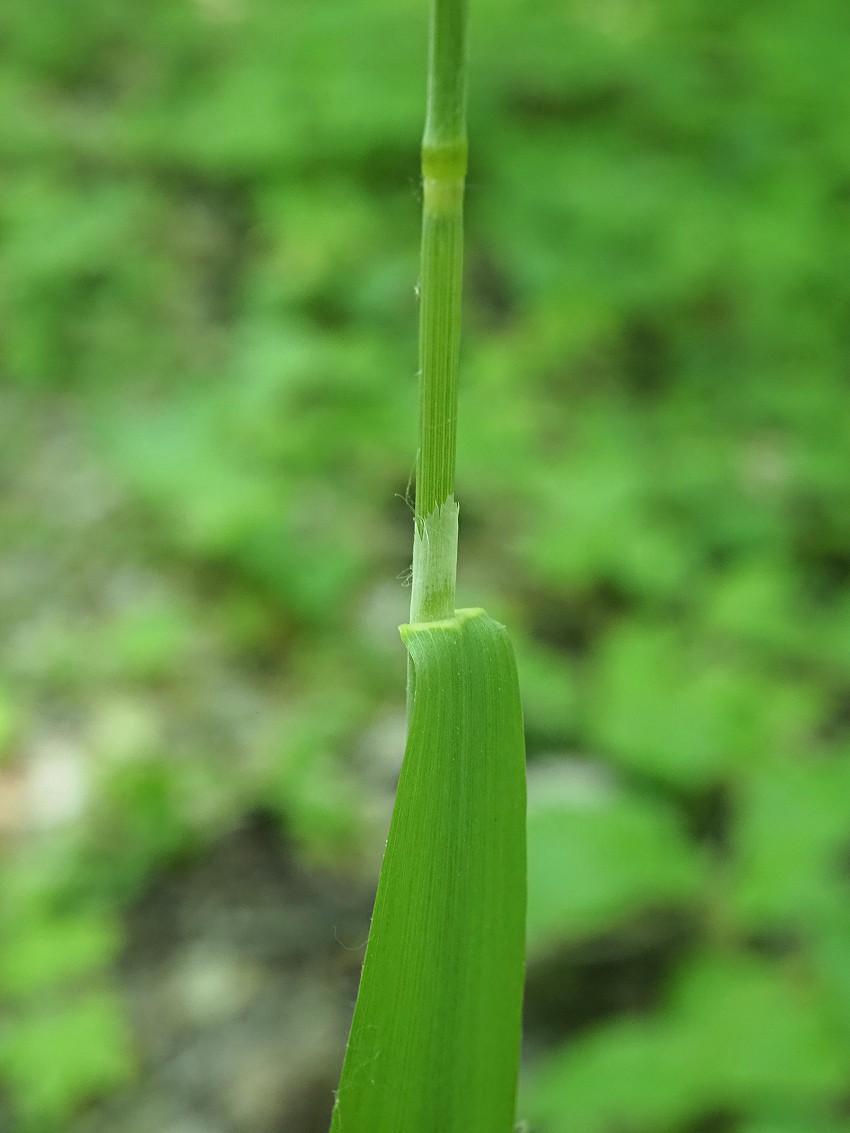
x=434 y=1045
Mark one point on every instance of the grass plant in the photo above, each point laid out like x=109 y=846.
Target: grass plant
x=207 y=266
x=434 y=1044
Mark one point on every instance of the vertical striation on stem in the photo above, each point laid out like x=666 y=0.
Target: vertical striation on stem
x=441 y=276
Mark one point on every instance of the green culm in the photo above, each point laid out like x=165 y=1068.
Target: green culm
x=435 y=1040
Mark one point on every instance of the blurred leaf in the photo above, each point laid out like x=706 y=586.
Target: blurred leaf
x=598 y=856
x=791 y=843
x=60 y=1058
x=814 y=1124
x=687 y=714
x=739 y=1036
x=37 y=954
x=9 y=723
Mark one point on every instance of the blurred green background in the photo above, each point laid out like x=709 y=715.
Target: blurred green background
x=208 y=251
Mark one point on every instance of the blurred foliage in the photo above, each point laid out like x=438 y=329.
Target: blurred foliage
x=207 y=422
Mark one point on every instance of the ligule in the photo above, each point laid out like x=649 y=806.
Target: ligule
x=434 y=1044
x=434 y=564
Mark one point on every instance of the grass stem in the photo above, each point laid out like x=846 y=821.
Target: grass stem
x=441 y=276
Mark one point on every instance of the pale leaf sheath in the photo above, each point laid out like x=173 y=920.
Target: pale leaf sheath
x=434 y=1045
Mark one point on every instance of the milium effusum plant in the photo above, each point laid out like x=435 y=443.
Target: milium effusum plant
x=434 y=1043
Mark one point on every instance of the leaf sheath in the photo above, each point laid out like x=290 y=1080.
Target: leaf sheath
x=434 y=1045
